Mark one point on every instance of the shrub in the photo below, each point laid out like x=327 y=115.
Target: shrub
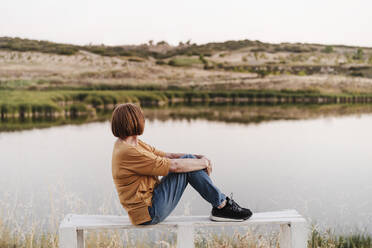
x=160 y=62
x=49 y=109
x=76 y=109
x=328 y=49
x=262 y=73
x=370 y=60
x=302 y=73
x=202 y=59
x=6 y=109
x=294 y=48
x=136 y=59
x=108 y=99
x=184 y=62
x=258 y=49
x=357 y=74
x=358 y=54
x=24 y=109
x=80 y=96
x=94 y=100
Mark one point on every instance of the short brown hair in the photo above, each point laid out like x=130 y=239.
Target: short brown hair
x=127 y=120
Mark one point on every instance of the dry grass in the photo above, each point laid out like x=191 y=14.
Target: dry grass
x=250 y=238
x=85 y=69
x=20 y=227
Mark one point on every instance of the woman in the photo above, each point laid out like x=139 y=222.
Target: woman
x=137 y=165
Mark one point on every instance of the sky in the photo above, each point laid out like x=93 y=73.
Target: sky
x=119 y=22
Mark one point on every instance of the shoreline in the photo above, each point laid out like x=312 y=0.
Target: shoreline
x=22 y=103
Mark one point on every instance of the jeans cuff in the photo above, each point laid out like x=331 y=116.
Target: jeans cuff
x=221 y=199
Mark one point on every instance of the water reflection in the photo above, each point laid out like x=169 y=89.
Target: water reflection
x=228 y=113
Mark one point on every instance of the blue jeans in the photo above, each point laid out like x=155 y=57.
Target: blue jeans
x=168 y=193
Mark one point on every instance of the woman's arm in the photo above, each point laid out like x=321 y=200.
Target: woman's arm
x=178 y=155
x=189 y=164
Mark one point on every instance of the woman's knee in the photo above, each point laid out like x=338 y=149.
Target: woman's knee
x=188 y=156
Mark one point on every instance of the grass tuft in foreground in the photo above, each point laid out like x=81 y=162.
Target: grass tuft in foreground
x=329 y=240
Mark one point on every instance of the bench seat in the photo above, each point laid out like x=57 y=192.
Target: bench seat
x=293 y=228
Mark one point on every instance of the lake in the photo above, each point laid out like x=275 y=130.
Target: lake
x=320 y=166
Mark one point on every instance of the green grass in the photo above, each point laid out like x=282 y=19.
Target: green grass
x=22 y=103
x=48 y=103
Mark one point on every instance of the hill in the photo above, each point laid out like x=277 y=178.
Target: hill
x=32 y=64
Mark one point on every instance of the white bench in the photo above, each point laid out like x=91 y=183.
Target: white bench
x=293 y=227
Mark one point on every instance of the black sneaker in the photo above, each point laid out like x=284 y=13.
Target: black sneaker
x=230 y=212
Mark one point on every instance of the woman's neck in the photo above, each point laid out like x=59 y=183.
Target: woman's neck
x=133 y=140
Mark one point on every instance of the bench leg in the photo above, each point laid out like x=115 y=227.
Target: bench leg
x=293 y=235
x=80 y=239
x=185 y=236
x=285 y=236
x=69 y=237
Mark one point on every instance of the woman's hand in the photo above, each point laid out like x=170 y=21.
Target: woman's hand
x=199 y=156
x=208 y=168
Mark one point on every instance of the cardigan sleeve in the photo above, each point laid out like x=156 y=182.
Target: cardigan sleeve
x=152 y=149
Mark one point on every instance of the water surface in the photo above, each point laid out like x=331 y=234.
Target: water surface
x=320 y=167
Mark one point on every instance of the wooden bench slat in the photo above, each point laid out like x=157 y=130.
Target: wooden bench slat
x=123 y=222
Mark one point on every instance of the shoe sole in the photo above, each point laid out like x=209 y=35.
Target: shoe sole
x=221 y=219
